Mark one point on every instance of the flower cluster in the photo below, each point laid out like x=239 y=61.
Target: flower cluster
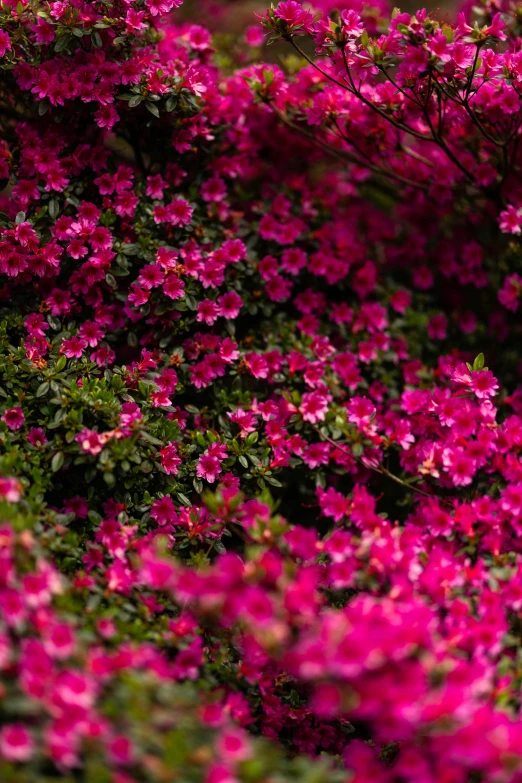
x=260 y=495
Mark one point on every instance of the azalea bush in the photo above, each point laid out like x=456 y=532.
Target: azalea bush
x=260 y=397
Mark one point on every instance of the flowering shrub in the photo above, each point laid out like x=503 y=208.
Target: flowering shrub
x=260 y=495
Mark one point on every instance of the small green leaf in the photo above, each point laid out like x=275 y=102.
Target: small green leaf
x=62 y=42
x=357 y=449
x=183 y=499
x=57 y=461
x=478 y=364
x=54 y=208
x=152 y=108
x=42 y=389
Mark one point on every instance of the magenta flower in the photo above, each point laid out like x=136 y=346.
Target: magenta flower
x=511 y=220
x=163 y=511
x=14 y=418
x=170 y=460
x=90 y=441
x=208 y=467
x=10 y=489
x=74 y=347
x=484 y=384
x=16 y=743
x=234 y=746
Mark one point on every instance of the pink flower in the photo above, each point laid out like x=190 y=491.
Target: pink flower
x=75 y=689
x=36 y=437
x=496 y=28
x=12 y=607
x=317 y=454
x=208 y=467
x=510 y=220
x=173 y=287
x=14 y=418
x=163 y=511
x=245 y=420
x=484 y=384
x=59 y=641
x=460 y=466
x=120 y=750
x=333 y=504
x=360 y=411
x=509 y=294
x=208 y=312
x=5 y=43
x=228 y=350
x=254 y=35
x=74 y=347
x=77 y=506
x=230 y=304
x=170 y=460
x=16 y=744
x=314 y=406
x=91 y=441
x=106 y=117
x=234 y=745
x=294 y=15
x=180 y=212
x=10 y=489
x=257 y=364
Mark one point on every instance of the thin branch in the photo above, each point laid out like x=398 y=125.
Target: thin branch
x=380 y=469
x=345 y=156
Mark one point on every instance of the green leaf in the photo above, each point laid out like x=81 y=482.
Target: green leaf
x=191 y=302
x=96 y=40
x=152 y=108
x=42 y=389
x=57 y=461
x=478 y=364
x=20 y=218
x=183 y=499
x=54 y=208
x=357 y=449
x=62 y=42
x=145 y=435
